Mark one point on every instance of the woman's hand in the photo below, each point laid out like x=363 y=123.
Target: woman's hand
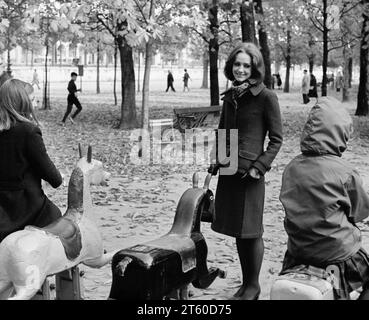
x=213 y=169
x=254 y=173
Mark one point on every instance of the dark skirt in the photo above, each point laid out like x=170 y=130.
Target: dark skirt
x=47 y=215
x=239 y=206
x=353 y=272
x=313 y=93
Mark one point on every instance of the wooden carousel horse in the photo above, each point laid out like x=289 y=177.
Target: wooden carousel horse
x=163 y=268
x=29 y=256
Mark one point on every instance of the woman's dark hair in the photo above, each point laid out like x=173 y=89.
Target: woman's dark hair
x=73 y=74
x=257 y=61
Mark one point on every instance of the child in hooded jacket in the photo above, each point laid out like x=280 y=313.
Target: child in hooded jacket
x=324 y=198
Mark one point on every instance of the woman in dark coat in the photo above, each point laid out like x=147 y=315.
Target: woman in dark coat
x=23 y=163
x=313 y=92
x=239 y=200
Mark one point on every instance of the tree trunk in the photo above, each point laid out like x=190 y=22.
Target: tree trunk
x=350 y=70
x=363 y=94
x=288 y=63
x=53 y=54
x=46 y=97
x=128 y=84
x=325 y=49
x=214 y=53
x=139 y=72
x=311 y=63
x=345 y=87
x=345 y=25
x=311 y=54
x=32 y=58
x=146 y=87
x=248 y=21
x=263 y=40
x=98 y=68
x=85 y=56
x=115 y=72
x=9 y=70
x=60 y=55
x=205 y=70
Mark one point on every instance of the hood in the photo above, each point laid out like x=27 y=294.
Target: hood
x=327 y=129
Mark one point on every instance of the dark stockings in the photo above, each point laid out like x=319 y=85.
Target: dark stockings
x=250 y=252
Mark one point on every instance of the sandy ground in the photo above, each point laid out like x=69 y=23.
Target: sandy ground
x=139 y=203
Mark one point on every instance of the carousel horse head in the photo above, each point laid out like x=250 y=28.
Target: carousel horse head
x=92 y=168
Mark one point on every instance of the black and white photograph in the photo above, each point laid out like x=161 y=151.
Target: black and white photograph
x=208 y=151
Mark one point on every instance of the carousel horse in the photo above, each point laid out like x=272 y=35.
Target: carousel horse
x=29 y=256
x=163 y=268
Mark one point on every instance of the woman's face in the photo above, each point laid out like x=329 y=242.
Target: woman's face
x=242 y=67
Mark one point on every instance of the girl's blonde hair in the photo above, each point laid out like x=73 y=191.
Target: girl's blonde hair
x=15 y=104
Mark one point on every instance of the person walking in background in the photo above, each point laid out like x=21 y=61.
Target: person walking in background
x=339 y=80
x=279 y=81
x=253 y=110
x=24 y=162
x=313 y=92
x=72 y=99
x=35 y=80
x=305 y=87
x=274 y=81
x=170 y=81
x=186 y=77
x=332 y=80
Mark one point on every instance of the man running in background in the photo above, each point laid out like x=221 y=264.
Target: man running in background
x=72 y=99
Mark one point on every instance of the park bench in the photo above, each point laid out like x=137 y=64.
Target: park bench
x=189 y=118
x=163 y=123
x=186 y=118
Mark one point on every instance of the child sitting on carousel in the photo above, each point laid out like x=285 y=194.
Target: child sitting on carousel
x=23 y=163
x=324 y=198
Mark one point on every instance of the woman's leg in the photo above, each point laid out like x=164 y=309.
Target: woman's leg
x=250 y=252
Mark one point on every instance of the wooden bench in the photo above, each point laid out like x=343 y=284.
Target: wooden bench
x=189 y=118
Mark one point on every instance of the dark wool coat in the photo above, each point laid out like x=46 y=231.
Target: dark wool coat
x=239 y=203
x=23 y=163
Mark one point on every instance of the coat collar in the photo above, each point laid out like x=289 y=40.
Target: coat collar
x=255 y=90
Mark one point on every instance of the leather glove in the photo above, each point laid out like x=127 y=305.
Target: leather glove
x=252 y=173
x=213 y=169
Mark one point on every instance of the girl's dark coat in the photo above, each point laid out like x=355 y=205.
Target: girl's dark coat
x=239 y=203
x=23 y=163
